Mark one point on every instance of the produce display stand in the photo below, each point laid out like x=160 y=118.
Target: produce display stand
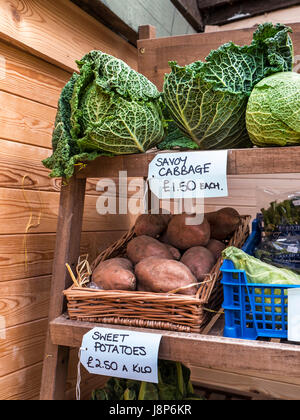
x=255 y=367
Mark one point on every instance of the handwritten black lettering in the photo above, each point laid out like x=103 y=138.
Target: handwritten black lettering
x=109 y=337
x=207 y=167
x=175 y=161
x=210 y=186
x=141 y=369
x=159 y=162
x=89 y=362
x=177 y=171
x=191 y=185
x=142 y=351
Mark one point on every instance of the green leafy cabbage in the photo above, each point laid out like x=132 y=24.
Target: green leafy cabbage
x=208 y=100
x=174 y=138
x=258 y=271
x=106 y=109
x=273 y=111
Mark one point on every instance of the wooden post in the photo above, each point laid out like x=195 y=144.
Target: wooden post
x=67 y=250
x=147 y=32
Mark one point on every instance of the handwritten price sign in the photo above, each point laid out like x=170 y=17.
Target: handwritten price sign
x=189 y=175
x=122 y=354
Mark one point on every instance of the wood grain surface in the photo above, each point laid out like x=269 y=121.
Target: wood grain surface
x=59 y=32
x=26 y=121
x=265 y=360
x=25 y=75
x=240 y=162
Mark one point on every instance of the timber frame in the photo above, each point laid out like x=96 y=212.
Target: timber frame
x=266 y=368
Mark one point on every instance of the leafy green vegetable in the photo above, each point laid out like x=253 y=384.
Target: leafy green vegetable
x=173 y=384
x=66 y=153
x=283 y=213
x=175 y=139
x=273 y=111
x=208 y=100
x=107 y=109
x=281 y=250
x=148 y=391
x=258 y=271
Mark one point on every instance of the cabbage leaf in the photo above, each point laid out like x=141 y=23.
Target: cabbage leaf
x=208 y=100
x=273 y=111
x=259 y=272
x=66 y=153
x=107 y=109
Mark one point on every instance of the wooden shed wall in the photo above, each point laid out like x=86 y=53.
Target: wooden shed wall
x=39 y=42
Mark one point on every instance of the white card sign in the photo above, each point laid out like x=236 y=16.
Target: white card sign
x=294 y=314
x=121 y=354
x=189 y=174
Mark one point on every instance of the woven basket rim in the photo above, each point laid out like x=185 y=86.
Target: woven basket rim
x=131 y=295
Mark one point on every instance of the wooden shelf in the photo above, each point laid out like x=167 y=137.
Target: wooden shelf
x=273 y=160
x=272 y=360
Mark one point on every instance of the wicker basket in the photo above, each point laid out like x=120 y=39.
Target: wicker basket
x=167 y=311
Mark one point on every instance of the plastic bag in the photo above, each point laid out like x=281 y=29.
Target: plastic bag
x=280 y=218
x=281 y=250
x=280 y=210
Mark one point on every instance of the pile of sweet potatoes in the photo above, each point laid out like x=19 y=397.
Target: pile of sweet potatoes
x=169 y=253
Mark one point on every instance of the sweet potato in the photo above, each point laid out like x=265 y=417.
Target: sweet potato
x=144 y=246
x=199 y=260
x=174 y=251
x=161 y=276
x=115 y=274
x=223 y=222
x=216 y=247
x=184 y=236
x=164 y=237
x=151 y=224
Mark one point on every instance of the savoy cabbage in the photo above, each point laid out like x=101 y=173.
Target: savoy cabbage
x=208 y=100
x=106 y=109
x=273 y=111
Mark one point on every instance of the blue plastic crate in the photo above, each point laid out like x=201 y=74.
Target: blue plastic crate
x=253 y=310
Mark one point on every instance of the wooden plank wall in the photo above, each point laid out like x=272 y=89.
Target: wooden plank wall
x=39 y=42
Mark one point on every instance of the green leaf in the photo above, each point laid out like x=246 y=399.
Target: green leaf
x=114 y=108
x=108 y=109
x=273 y=111
x=148 y=391
x=129 y=394
x=208 y=100
x=258 y=271
x=175 y=139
